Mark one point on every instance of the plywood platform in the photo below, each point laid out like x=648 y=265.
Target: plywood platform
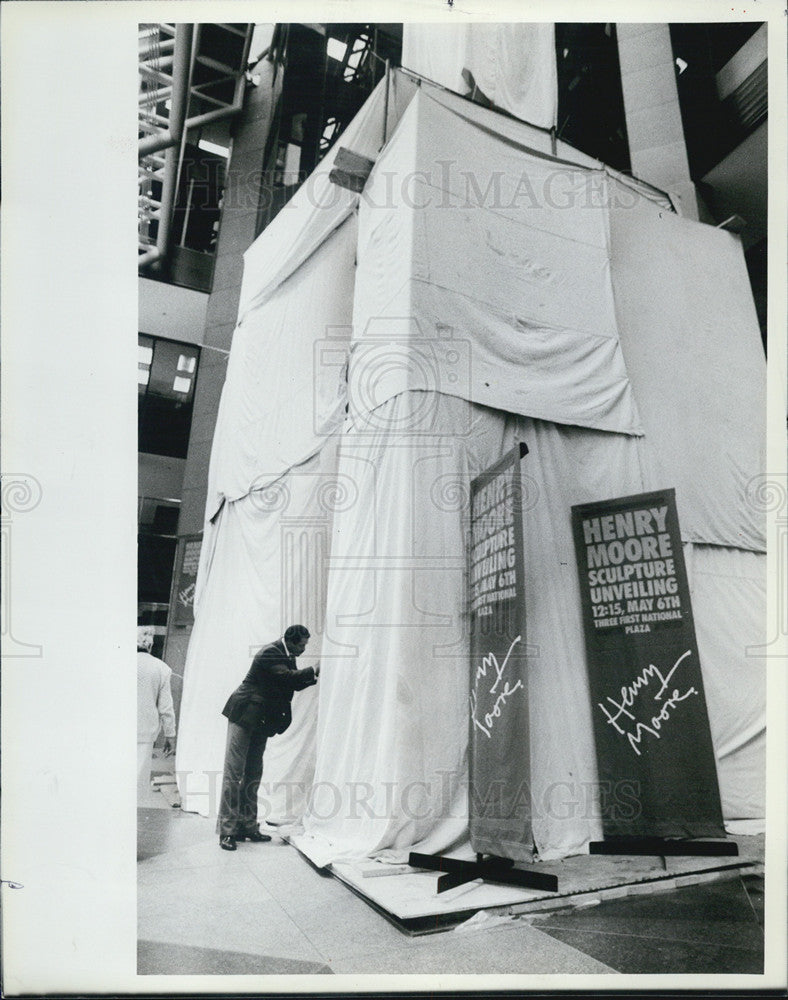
x=408 y=896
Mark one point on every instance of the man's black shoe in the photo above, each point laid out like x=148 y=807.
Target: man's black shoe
x=256 y=837
x=227 y=843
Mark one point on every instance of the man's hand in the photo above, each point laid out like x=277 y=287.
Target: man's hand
x=169 y=746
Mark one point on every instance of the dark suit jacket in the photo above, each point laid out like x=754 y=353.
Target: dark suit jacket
x=264 y=697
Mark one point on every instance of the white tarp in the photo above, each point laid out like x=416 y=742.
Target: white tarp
x=391 y=767
x=486 y=278
x=391 y=760
x=319 y=205
x=285 y=392
x=390 y=750
x=536 y=140
x=728 y=589
x=512 y=64
x=268 y=569
x=292 y=306
x=693 y=351
x=272 y=487
x=396 y=593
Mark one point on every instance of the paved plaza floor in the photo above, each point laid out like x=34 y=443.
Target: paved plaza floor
x=266 y=910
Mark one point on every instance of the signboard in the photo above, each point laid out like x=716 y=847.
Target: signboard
x=499 y=751
x=182 y=609
x=651 y=728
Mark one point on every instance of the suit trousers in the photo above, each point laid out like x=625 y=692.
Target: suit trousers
x=243 y=770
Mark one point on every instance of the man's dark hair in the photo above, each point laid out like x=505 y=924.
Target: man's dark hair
x=296 y=633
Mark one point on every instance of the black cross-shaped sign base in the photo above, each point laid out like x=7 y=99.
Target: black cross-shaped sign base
x=489 y=868
x=659 y=847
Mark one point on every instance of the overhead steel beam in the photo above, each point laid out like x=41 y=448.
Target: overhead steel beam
x=179 y=127
x=180 y=94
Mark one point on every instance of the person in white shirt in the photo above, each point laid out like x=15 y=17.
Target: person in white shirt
x=154 y=707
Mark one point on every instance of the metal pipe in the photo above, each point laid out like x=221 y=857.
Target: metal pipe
x=187 y=213
x=174 y=159
x=240 y=83
x=153 y=97
x=180 y=94
x=212 y=116
x=168 y=191
x=149 y=119
x=238 y=96
x=147 y=50
x=156 y=174
x=156 y=70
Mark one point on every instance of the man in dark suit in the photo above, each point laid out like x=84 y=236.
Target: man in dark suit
x=259 y=708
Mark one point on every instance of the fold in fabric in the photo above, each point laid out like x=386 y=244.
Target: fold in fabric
x=692 y=347
x=729 y=604
x=512 y=64
x=319 y=206
x=486 y=276
x=285 y=392
x=527 y=300
x=268 y=570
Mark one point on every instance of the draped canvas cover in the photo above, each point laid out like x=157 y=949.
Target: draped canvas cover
x=285 y=389
x=405 y=649
x=387 y=742
x=319 y=206
x=512 y=64
x=692 y=347
x=273 y=486
x=268 y=566
x=491 y=275
x=729 y=597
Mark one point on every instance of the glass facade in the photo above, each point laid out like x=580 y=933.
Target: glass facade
x=166 y=377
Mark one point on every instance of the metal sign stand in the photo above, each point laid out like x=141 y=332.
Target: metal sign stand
x=661 y=847
x=487 y=867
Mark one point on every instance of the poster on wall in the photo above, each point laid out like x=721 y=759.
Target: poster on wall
x=499 y=750
x=182 y=609
x=657 y=770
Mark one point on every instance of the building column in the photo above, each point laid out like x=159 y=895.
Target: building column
x=653 y=116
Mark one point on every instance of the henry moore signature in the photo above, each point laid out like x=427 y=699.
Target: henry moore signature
x=624 y=721
x=491 y=661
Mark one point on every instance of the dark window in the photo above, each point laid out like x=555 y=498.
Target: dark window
x=196 y=217
x=152 y=613
x=714 y=127
x=590 y=100
x=155 y=558
x=157 y=540
x=167 y=372
x=195 y=220
x=725 y=40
